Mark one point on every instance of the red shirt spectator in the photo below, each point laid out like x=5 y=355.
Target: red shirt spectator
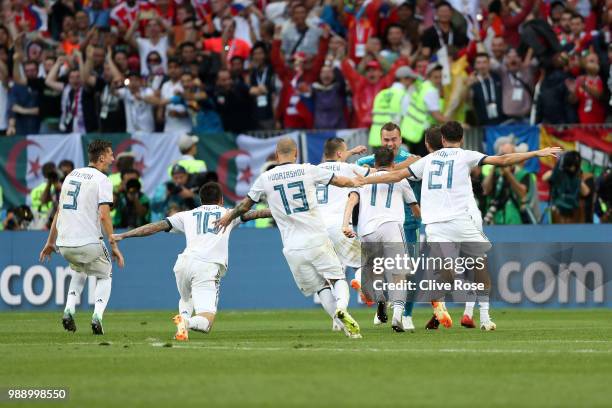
x=590 y=108
x=293 y=111
x=513 y=21
x=235 y=47
x=366 y=87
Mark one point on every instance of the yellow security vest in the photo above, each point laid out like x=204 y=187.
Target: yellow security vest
x=36 y=196
x=387 y=107
x=191 y=165
x=417 y=117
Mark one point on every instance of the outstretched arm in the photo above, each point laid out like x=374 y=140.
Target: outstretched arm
x=242 y=207
x=145 y=230
x=516 y=158
x=341 y=181
x=353 y=200
x=404 y=165
x=255 y=214
x=386 y=178
x=107 y=227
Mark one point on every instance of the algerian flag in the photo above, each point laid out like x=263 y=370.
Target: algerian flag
x=153 y=154
x=50 y=148
x=238 y=160
x=22 y=158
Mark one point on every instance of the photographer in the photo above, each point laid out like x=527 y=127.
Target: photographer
x=131 y=205
x=510 y=191
x=178 y=193
x=603 y=198
x=566 y=189
x=18 y=218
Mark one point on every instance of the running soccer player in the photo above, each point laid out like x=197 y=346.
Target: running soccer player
x=446 y=196
x=200 y=267
x=381 y=224
x=332 y=200
x=83 y=215
x=290 y=189
x=391 y=137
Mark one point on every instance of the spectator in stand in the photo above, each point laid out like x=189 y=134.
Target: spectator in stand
x=298 y=35
x=294 y=110
x=263 y=86
x=23 y=104
x=513 y=16
x=442 y=33
x=154 y=41
x=329 y=98
x=233 y=103
x=553 y=102
x=132 y=208
x=588 y=92
x=373 y=51
x=111 y=112
x=175 y=114
x=365 y=87
x=486 y=92
x=517 y=79
x=395 y=41
x=97 y=14
x=499 y=48
x=139 y=103
x=78 y=106
x=564 y=30
x=227 y=45
x=408 y=21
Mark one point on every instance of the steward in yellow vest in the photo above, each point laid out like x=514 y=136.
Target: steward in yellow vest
x=188 y=145
x=387 y=106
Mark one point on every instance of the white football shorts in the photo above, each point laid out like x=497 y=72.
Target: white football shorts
x=91 y=259
x=199 y=281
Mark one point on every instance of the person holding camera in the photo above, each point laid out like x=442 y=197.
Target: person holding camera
x=131 y=205
x=567 y=188
x=510 y=191
x=177 y=193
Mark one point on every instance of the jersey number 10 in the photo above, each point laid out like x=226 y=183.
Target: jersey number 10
x=203 y=222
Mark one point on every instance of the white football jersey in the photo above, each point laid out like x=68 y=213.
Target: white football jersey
x=446 y=190
x=291 y=193
x=204 y=241
x=78 y=220
x=332 y=199
x=381 y=203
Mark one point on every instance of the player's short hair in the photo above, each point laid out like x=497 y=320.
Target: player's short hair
x=390 y=127
x=433 y=137
x=97 y=148
x=211 y=193
x=332 y=145
x=286 y=146
x=383 y=157
x=452 y=131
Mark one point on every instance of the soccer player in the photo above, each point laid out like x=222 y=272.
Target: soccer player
x=391 y=137
x=446 y=195
x=332 y=200
x=83 y=215
x=381 y=221
x=290 y=189
x=203 y=263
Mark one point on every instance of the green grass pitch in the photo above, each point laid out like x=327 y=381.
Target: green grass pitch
x=539 y=358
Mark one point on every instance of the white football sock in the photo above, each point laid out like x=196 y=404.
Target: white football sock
x=484 y=312
x=198 y=323
x=102 y=294
x=341 y=289
x=469 y=308
x=328 y=301
x=77 y=283
x=398 y=309
x=185 y=308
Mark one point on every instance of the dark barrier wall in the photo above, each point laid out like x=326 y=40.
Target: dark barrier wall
x=259 y=278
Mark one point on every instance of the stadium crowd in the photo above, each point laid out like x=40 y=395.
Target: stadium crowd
x=209 y=65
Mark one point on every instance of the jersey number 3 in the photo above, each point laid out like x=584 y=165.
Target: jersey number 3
x=74 y=194
x=438 y=173
x=300 y=195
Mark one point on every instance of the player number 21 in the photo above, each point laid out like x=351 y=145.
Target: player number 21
x=438 y=173
x=300 y=195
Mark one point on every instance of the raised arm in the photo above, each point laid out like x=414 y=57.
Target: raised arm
x=255 y=214
x=51 y=80
x=144 y=231
x=241 y=209
x=516 y=158
x=86 y=67
x=130 y=37
x=353 y=200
